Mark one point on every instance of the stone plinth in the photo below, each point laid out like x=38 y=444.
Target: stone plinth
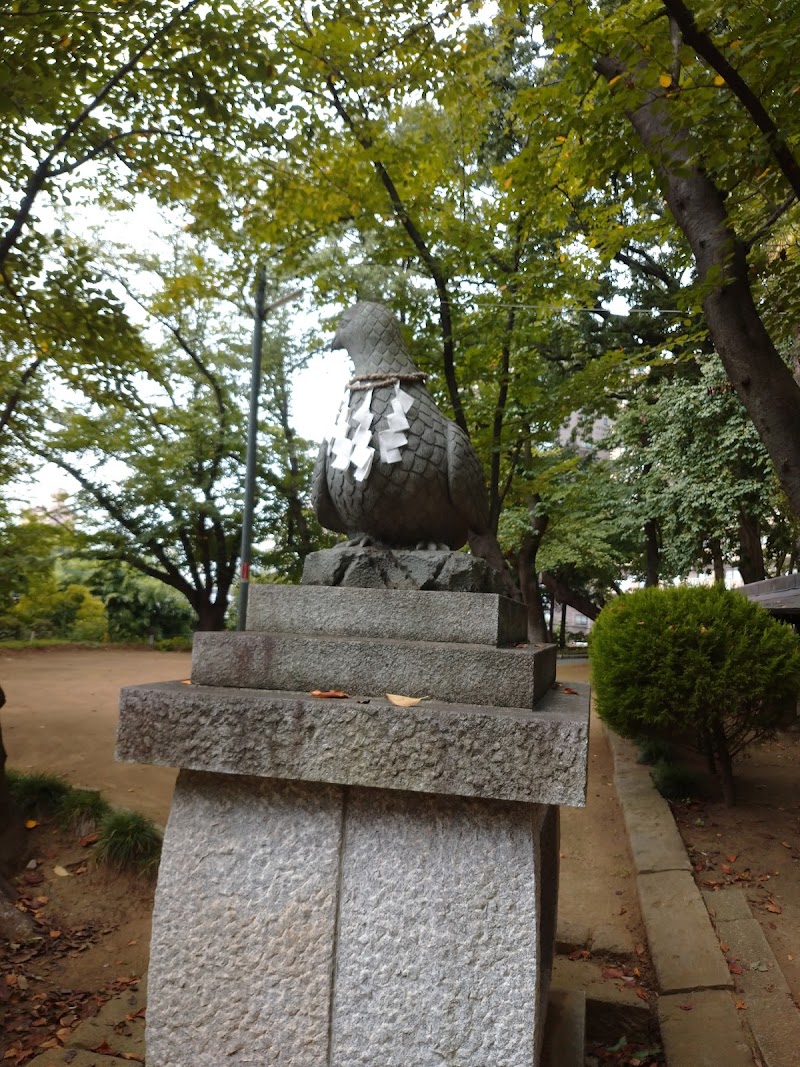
x=453 y=672
x=347 y=883
x=413 y=615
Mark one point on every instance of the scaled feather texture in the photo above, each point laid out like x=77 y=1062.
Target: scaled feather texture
x=434 y=490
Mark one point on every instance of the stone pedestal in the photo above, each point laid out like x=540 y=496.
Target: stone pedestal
x=347 y=883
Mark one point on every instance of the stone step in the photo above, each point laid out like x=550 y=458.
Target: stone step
x=455 y=673
x=406 y=615
x=538 y=757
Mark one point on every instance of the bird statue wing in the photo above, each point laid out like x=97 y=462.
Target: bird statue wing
x=465 y=479
x=323 y=505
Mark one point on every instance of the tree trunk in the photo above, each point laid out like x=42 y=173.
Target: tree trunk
x=565 y=595
x=715 y=548
x=652 y=553
x=751 y=551
x=753 y=364
x=13 y=843
x=724 y=764
x=211 y=615
x=562 y=636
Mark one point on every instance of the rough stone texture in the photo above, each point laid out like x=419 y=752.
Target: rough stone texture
x=702 y=1030
x=472 y=618
x=436 y=492
x=383 y=568
x=456 y=673
x=656 y=844
x=244 y=924
x=317 y=926
x=685 y=954
x=771 y=1013
x=537 y=757
x=438 y=942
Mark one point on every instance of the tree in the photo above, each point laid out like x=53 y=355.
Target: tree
x=174 y=511
x=708 y=98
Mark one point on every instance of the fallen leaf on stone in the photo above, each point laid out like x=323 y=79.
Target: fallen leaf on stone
x=642 y=994
x=404 y=702
x=736 y=968
x=784 y=843
x=572 y=692
x=61 y=872
x=686 y=1007
x=732 y=857
x=639 y=949
x=103 y=1049
x=186 y=681
x=612 y=972
x=776 y=909
x=30 y=824
x=579 y=954
x=740 y=1005
x=724 y=947
x=328 y=694
x=55 y=933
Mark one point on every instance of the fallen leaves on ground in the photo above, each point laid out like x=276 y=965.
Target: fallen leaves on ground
x=328 y=694
x=626 y=1054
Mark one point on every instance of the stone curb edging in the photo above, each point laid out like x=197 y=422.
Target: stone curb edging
x=700 y=1025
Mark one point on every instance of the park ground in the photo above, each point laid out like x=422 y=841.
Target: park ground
x=61 y=719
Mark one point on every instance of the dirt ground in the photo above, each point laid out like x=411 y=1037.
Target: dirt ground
x=755 y=845
x=61 y=718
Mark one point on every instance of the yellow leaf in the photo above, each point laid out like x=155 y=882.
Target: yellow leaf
x=560 y=139
x=719 y=80
x=404 y=702
x=65 y=41
x=61 y=872
x=30 y=823
x=665 y=80
x=614 y=80
x=507 y=183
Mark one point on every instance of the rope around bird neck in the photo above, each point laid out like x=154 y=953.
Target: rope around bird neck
x=362 y=382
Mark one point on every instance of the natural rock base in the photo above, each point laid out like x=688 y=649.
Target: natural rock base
x=386 y=568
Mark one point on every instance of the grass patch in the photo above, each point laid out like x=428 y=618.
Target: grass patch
x=128 y=841
x=82 y=811
x=675 y=782
x=36 y=794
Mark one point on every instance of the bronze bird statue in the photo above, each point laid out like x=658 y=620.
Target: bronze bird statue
x=394 y=471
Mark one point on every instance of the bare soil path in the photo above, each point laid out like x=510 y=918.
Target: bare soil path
x=61 y=718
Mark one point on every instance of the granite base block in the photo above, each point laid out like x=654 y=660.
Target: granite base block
x=323 y=926
x=456 y=673
x=406 y=615
x=502 y=753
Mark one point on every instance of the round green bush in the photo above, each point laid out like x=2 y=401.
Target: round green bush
x=701 y=664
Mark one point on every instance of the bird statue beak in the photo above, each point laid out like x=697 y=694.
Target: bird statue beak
x=336 y=343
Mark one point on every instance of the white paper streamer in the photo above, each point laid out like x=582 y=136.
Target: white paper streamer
x=349 y=441
x=393 y=441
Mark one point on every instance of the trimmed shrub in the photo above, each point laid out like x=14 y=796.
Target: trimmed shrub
x=656 y=750
x=675 y=782
x=700 y=664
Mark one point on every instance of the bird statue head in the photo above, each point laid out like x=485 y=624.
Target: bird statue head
x=371 y=334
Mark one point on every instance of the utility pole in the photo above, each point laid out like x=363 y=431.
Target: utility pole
x=252 y=436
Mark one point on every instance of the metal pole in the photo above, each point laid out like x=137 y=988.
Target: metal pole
x=252 y=436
